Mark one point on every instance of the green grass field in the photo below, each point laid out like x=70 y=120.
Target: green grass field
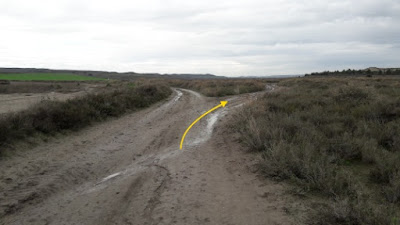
x=46 y=77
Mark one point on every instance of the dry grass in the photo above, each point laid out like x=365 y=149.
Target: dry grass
x=222 y=87
x=50 y=117
x=335 y=136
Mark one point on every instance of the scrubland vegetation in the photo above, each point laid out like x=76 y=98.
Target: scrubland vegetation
x=333 y=137
x=51 y=117
x=222 y=87
x=367 y=72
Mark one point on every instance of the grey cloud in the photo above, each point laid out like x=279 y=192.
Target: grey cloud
x=258 y=37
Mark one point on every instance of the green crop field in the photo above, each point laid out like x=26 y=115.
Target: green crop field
x=46 y=77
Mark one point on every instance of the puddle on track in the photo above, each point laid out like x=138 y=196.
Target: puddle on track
x=146 y=162
x=141 y=165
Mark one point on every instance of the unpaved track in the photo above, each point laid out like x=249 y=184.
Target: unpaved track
x=130 y=171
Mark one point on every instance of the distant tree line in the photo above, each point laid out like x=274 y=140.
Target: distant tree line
x=365 y=72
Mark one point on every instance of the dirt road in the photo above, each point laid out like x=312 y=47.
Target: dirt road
x=130 y=171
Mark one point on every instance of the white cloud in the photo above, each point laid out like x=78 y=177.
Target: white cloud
x=237 y=37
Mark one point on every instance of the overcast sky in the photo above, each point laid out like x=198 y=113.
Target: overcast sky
x=233 y=38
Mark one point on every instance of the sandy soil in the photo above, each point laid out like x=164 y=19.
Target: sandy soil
x=17 y=102
x=130 y=171
x=23 y=95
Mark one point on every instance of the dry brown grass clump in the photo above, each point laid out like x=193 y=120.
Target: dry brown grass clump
x=335 y=136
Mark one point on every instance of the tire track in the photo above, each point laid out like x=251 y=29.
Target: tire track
x=130 y=171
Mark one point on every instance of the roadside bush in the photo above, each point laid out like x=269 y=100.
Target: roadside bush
x=332 y=136
x=351 y=95
x=392 y=191
x=222 y=87
x=354 y=212
x=49 y=117
x=305 y=166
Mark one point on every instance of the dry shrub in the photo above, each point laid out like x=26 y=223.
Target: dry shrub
x=317 y=132
x=392 y=191
x=357 y=211
x=386 y=167
x=222 y=87
x=49 y=117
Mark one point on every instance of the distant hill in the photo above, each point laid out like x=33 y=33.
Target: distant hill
x=271 y=76
x=110 y=75
x=365 y=72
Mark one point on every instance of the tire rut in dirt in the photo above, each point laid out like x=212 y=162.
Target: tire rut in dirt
x=140 y=198
x=165 y=176
x=119 y=211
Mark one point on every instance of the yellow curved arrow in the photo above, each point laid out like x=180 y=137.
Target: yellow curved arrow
x=223 y=103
